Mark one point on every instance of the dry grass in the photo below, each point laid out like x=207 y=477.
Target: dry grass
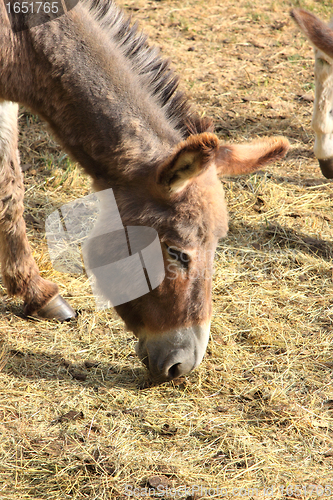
x=77 y=417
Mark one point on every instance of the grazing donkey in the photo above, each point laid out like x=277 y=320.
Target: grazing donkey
x=113 y=104
x=321 y=37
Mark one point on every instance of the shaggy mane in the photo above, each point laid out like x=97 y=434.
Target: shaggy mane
x=153 y=70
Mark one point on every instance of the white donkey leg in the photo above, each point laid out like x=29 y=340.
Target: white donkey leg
x=322 y=120
x=321 y=37
x=20 y=272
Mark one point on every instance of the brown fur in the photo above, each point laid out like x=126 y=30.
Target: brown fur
x=113 y=103
x=246 y=158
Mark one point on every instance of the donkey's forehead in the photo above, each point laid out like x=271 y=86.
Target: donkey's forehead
x=187 y=219
x=322 y=118
x=200 y=215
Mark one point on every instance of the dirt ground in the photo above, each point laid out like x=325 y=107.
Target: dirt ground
x=78 y=416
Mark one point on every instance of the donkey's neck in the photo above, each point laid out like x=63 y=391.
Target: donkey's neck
x=75 y=76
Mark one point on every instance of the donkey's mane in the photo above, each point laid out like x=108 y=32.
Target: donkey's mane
x=153 y=70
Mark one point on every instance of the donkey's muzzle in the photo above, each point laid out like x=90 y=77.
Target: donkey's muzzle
x=326 y=166
x=172 y=354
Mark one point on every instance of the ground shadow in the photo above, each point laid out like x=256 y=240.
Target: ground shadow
x=93 y=374
x=282 y=236
x=274 y=125
x=290 y=238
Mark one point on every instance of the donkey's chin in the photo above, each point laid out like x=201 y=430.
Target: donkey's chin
x=326 y=167
x=323 y=149
x=174 y=353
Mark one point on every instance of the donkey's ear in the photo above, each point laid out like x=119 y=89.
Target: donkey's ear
x=319 y=33
x=238 y=159
x=191 y=158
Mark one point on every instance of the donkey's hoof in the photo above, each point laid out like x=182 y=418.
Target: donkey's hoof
x=57 y=309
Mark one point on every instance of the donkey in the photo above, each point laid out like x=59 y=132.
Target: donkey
x=321 y=37
x=114 y=105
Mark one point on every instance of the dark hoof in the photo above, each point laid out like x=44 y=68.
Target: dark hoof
x=326 y=166
x=57 y=309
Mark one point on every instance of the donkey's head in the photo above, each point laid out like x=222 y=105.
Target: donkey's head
x=321 y=37
x=184 y=202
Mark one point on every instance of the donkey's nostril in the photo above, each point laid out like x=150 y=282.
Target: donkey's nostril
x=174 y=371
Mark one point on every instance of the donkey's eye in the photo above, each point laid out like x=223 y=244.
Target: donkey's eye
x=178 y=255
x=323 y=62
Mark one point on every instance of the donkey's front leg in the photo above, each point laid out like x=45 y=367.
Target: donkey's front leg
x=20 y=272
